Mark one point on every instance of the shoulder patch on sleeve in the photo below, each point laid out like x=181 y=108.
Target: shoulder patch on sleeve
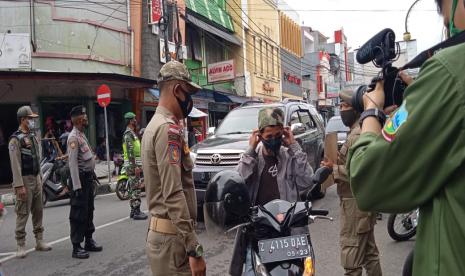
x=174 y=153
x=394 y=122
x=12 y=147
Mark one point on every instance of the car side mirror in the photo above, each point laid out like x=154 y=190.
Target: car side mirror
x=211 y=131
x=297 y=128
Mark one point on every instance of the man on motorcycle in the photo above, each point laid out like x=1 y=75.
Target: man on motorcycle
x=357 y=238
x=133 y=165
x=274 y=166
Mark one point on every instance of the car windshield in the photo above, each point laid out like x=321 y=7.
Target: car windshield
x=335 y=125
x=239 y=121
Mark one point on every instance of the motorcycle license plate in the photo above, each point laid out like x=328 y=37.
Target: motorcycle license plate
x=285 y=248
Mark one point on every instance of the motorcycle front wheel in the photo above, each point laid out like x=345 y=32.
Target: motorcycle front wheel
x=122 y=189
x=401 y=226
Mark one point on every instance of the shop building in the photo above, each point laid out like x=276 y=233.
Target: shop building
x=55 y=56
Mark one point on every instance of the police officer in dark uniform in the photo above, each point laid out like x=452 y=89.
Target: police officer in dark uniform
x=81 y=165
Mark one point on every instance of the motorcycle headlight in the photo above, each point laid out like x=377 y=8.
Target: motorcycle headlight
x=309 y=267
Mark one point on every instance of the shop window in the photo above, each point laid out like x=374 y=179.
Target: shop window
x=214 y=49
x=193 y=44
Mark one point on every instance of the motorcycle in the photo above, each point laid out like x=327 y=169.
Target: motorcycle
x=52 y=187
x=402 y=227
x=276 y=235
x=123 y=189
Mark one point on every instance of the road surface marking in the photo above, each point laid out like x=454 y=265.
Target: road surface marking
x=12 y=255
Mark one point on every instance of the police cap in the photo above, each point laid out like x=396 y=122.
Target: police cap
x=77 y=111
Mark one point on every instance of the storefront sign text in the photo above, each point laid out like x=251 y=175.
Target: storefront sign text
x=221 y=71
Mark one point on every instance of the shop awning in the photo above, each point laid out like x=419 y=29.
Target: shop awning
x=211 y=11
x=195 y=113
x=79 y=79
x=214 y=30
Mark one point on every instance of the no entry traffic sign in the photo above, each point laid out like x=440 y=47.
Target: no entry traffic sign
x=103 y=95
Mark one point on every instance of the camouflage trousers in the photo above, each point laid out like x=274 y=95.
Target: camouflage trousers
x=134 y=189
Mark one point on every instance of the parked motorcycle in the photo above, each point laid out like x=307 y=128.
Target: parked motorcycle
x=402 y=227
x=276 y=235
x=53 y=188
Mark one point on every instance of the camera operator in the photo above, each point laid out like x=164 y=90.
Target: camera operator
x=418 y=157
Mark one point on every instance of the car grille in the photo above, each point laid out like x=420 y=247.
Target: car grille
x=218 y=159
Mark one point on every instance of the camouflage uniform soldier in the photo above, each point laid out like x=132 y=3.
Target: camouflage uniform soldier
x=133 y=165
x=172 y=246
x=357 y=238
x=25 y=165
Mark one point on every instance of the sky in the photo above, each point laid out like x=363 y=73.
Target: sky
x=326 y=16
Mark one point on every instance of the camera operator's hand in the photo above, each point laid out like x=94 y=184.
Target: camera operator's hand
x=375 y=99
x=406 y=78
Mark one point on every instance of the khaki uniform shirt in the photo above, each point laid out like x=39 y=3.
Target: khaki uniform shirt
x=168 y=179
x=14 y=149
x=340 y=171
x=80 y=156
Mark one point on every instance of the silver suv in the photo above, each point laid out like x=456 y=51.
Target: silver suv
x=224 y=149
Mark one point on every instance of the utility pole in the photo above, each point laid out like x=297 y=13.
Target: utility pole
x=164 y=28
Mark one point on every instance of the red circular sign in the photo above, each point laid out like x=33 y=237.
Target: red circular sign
x=103 y=95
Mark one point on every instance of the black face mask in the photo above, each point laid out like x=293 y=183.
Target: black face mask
x=349 y=117
x=273 y=144
x=187 y=105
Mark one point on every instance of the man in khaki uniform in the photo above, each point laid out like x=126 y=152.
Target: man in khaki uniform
x=357 y=239
x=25 y=165
x=172 y=245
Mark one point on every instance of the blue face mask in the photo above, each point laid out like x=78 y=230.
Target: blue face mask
x=452 y=29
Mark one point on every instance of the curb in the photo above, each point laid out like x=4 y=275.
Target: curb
x=104 y=188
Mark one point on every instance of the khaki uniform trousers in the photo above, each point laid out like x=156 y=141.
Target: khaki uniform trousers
x=357 y=240
x=167 y=254
x=31 y=205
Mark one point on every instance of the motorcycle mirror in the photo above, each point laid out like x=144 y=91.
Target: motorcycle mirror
x=321 y=175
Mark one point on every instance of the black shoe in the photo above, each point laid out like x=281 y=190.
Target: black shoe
x=379 y=216
x=92 y=246
x=138 y=215
x=131 y=215
x=79 y=252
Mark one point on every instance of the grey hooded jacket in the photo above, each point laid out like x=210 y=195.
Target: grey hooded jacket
x=294 y=172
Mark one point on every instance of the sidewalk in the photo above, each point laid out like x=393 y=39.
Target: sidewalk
x=7 y=196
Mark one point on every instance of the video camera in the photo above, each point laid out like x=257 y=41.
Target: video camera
x=382 y=50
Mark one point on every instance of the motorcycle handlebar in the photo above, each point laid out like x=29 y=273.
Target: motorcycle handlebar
x=317 y=212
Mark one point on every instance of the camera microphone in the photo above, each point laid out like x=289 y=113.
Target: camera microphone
x=373 y=48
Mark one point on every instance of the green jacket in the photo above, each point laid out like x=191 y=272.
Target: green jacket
x=419 y=160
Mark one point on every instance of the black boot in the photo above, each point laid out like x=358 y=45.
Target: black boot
x=131 y=215
x=79 y=252
x=92 y=246
x=138 y=215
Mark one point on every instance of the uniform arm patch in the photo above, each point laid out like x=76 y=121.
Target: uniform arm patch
x=394 y=123
x=174 y=153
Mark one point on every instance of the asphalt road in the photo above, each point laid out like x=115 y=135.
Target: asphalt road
x=124 y=244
